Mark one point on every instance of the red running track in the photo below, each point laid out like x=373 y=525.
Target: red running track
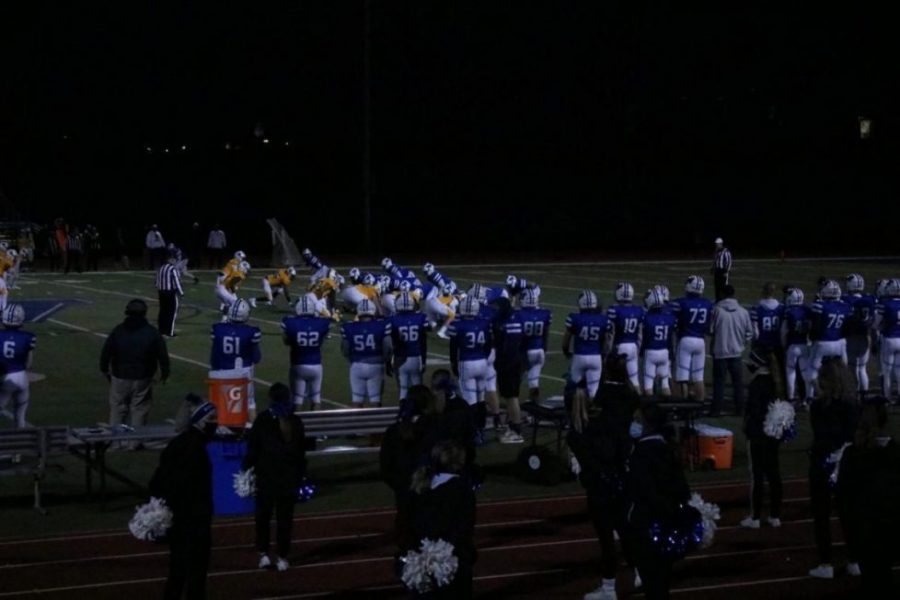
x=527 y=548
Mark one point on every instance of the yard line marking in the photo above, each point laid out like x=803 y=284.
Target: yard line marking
x=184 y=359
x=48 y=311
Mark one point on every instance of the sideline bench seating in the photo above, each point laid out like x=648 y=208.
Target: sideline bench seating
x=359 y=423
x=27 y=452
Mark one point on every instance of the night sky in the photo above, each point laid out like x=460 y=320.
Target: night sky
x=559 y=128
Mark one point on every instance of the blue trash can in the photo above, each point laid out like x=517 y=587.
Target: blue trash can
x=226 y=458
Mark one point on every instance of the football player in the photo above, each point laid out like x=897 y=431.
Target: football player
x=626 y=320
x=12 y=273
x=319 y=269
x=435 y=277
x=304 y=334
x=236 y=349
x=326 y=290
x=536 y=326
x=277 y=283
x=470 y=344
x=408 y=329
x=441 y=306
x=227 y=285
x=829 y=319
x=658 y=343
x=232 y=265
x=516 y=285
x=795 y=339
x=367 y=345
x=861 y=318
x=6 y=265
x=366 y=289
x=887 y=326
x=766 y=317
x=590 y=330
x=693 y=312
x=17 y=356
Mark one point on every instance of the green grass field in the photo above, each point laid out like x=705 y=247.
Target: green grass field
x=69 y=389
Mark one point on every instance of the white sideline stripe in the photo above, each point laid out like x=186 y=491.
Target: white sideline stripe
x=246 y=545
x=359 y=561
x=177 y=357
x=48 y=311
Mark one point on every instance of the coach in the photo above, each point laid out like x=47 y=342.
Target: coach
x=168 y=286
x=721 y=268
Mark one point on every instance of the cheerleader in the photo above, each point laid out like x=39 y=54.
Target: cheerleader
x=761 y=448
x=833 y=416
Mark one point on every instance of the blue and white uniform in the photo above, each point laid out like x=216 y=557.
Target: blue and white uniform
x=626 y=320
x=409 y=331
x=888 y=326
x=658 y=333
x=367 y=343
x=829 y=319
x=304 y=335
x=589 y=330
x=795 y=338
x=767 y=317
x=470 y=344
x=694 y=318
x=235 y=351
x=861 y=319
x=17 y=347
x=536 y=327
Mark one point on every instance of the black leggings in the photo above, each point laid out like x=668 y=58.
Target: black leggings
x=821 y=498
x=602 y=516
x=283 y=505
x=764 y=466
x=188 y=562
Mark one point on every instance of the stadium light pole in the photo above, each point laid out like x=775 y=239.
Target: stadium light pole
x=367 y=127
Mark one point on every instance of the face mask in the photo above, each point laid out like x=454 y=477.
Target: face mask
x=636 y=429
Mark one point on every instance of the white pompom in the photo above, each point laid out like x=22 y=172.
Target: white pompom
x=779 y=419
x=245 y=483
x=835 y=459
x=574 y=465
x=434 y=564
x=151 y=521
x=710 y=514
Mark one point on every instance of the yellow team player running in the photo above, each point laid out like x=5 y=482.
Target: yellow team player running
x=274 y=284
x=228 y=283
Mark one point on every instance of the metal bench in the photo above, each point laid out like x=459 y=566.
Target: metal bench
x=26 y=452
x=358 y=424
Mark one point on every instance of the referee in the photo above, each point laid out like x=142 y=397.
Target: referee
x=721 y=268
x=168 y=286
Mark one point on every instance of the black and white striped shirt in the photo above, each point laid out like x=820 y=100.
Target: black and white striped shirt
x=168 y=279
x=723 y=260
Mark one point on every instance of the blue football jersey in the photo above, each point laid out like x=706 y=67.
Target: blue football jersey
x=693 y=313
x=889 y=310
x=233 y=341
x=409 y=330
x=626 y=320
x=535 y=325
x=16 y=345
x=305 y=336
x=366 y=339
x=494 y=292
x=863 y=306
x=768 y=318
x=797 y=319
x=659 y=327
x=471 y=337
x=829 y=319
x=588 y=329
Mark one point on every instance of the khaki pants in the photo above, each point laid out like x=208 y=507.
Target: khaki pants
x=130 y=395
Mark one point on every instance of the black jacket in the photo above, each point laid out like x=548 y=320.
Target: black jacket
x=448 y=512
x=655 y=484
x=280 y=465
x=833 y=425
x=133 y=350
x=868 y=494
x=760 y=393
x=184 y=479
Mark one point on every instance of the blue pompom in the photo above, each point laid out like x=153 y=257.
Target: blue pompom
x=306 y=490
x=674 y=540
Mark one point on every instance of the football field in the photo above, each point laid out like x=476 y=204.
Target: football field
x=74 y=312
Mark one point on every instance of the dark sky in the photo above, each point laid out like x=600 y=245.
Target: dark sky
x=578 y=124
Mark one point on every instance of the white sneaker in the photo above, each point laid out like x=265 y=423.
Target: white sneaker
x=822 y=572
x=774 y=522
x=604 y=592
x=511 y=437
x=638 y=582
x=281 y=565
x=853 y=569
x=442 y=333
x=264 y=561
x=253 y=302
x=750 y=523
